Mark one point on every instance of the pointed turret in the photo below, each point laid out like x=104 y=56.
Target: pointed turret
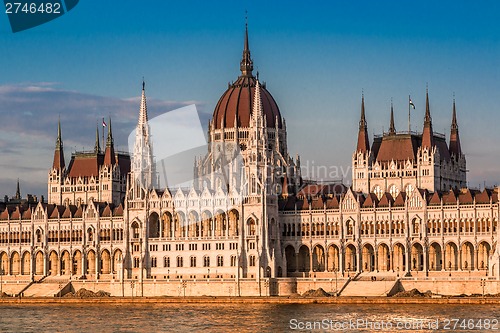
x=392 y=127
x=97 y=147
x=143 y=113
x=109 y=154
x=246 y=64
x=18 y=191
x=257 y=107
x=455 y=148
x=143 y=167
x=363 y=143
x=58 y=153
x=427 y=134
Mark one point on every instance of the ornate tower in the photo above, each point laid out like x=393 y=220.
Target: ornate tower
x=361 y=157
x=58 y=170
x=143 y=166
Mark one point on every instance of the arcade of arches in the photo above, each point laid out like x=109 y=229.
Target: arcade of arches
x=61 y=264
x=303 y=260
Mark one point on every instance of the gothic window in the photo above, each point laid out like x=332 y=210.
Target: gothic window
x=206 y=261
x=409 y=189
x=251 y=227
x=193 y=261
x=416 y=226
x=220 y=261
x=378 y=191
x=154 y=262
x=233 y=261
x=135 y=230
x=136 y=262
x=252 y=261
x=180 y=262
x=166 y=262
x=350 y=227
x=394 y=191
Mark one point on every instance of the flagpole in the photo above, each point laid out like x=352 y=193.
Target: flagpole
x=409 y=123
x=102 y=125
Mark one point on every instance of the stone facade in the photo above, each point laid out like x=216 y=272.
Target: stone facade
x=248 y=217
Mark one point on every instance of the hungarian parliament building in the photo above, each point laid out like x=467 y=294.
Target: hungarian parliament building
x=249 y=213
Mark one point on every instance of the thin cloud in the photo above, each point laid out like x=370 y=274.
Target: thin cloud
x=30 y=112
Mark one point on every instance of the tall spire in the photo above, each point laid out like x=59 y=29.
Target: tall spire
x=363 y=143
x=427 y=108
x=392 y=127
x=143 y=167
x=257 y=106
x=109 y=140
x=455 y=148
x=427 y=134
x=109 y=154
x=97 y=147
x=18 y=191
x=246 y=64
x=143 y=113
x=58 y=153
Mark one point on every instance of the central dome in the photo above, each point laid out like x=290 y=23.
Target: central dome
x=236 y=102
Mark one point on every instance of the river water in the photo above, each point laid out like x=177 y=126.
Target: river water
x=239 y=317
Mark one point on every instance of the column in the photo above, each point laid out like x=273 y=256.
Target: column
x=426 y=260
x=297 y=262
x=476 y=259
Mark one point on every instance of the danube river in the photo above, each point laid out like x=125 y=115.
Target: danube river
x=254 y=318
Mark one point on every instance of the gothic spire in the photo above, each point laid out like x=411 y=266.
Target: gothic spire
x=363 y=143
x=427 y=134
x=455 y=148
x=392 y=127
x=109 y=154
x=18 y=191
x=246 y=64
x=143 y=114
x=454 y=124
x=257 y=106
x=97 y=147
x=109 y=141
x=143 y=168
x=58 y=162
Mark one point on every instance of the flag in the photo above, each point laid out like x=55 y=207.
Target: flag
x=105 y=125
x=412 y=105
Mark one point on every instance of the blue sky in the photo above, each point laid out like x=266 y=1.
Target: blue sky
x=316 y=58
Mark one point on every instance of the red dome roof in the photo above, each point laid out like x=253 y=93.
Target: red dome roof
x=237 y=102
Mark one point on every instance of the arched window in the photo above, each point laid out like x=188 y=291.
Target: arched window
x=193 y=261
x=252 y=261
x=253 y=184
x=153 y=262
x=220 y=261
x=136 y=262
x=166 y=262
x=378 y=191
x=206 y=261
x=409 y=188
x=394 y=191
x=135 y=230
x=180 y=262
x=233 y=261
x=251 y=227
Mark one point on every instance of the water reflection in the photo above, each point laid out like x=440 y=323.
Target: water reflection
x=237 y=317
